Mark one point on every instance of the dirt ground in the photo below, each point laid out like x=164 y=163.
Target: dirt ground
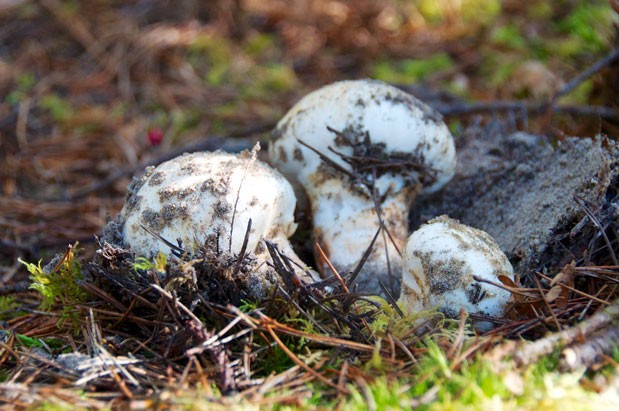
x=535 y=198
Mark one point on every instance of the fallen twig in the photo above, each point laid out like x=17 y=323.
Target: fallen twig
x=527 y=353
x=460 y=108
x=455 y=106
x=585 y=74
x=592 y=350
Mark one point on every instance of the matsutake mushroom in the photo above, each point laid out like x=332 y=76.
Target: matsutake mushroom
x=208 y=199
x=451 y=266
x=362 y=150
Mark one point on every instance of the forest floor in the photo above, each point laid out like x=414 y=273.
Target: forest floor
x=93 y=92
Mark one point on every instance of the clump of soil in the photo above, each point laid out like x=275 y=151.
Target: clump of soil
x=543 y=202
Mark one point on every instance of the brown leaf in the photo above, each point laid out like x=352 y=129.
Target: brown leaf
x=566 y=275
x=507 y=281
x=563 y=298
x=553 y=294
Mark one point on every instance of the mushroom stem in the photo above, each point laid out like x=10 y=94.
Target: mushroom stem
x=345 y=224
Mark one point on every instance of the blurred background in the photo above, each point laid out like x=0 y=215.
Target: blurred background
x=92 y=91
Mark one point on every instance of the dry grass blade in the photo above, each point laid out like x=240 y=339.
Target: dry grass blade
x=283 y=267
x=301 y=364
x=365 y=256
x=176 y=249
x=254 y=154
x=25 y=395
x=243 y=250
x=326 y=160
x=588 y=72
x=332 y=268
x=307 y=315
x=595 y=221
x=297 y=288
x=341 y=281
x=456 y=345
x=264 y=321
x=582 y=293
x=546 y=302
x=217 y=353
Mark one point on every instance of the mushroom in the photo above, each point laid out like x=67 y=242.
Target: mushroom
x=202 y=198
x=356 y=147
x=444 y=262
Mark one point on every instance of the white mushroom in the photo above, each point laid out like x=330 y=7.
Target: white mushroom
x=441 y=260
x=199 y=197
x=378 y=147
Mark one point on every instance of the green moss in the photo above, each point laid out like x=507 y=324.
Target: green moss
x=30 y=342
x=259 y=44
x=26 y=81
x=268 y=79
x=508 y=36
x=480 y=11
x=227 y=110
x=470 y=11
x=212 y=56
x=540 y=10
x=158 y=264
x=24 y=84
x=69 y=7
x=8 y=307
x=456 y=127
x=475 y=385
x=580 y=95
x=184 y=120
x=274 y=362
x=382 y=394
x=55 y=404
x=588 y=27
x=60 y=109
x=248 y=306
x=496 y=68
x=219 y=126
x=61 y=284
x=410 y=70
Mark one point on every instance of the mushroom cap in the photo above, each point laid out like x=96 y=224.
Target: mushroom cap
x=197 y=195
x=399 y=126
x=440 y=260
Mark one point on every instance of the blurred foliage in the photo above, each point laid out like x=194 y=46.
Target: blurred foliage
x=23 y=85
x=470 y=11
x=60 y=109
x=8 y=307
x=411 y=71
x=587 y=29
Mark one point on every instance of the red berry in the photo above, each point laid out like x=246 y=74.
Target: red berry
x=155 y=136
